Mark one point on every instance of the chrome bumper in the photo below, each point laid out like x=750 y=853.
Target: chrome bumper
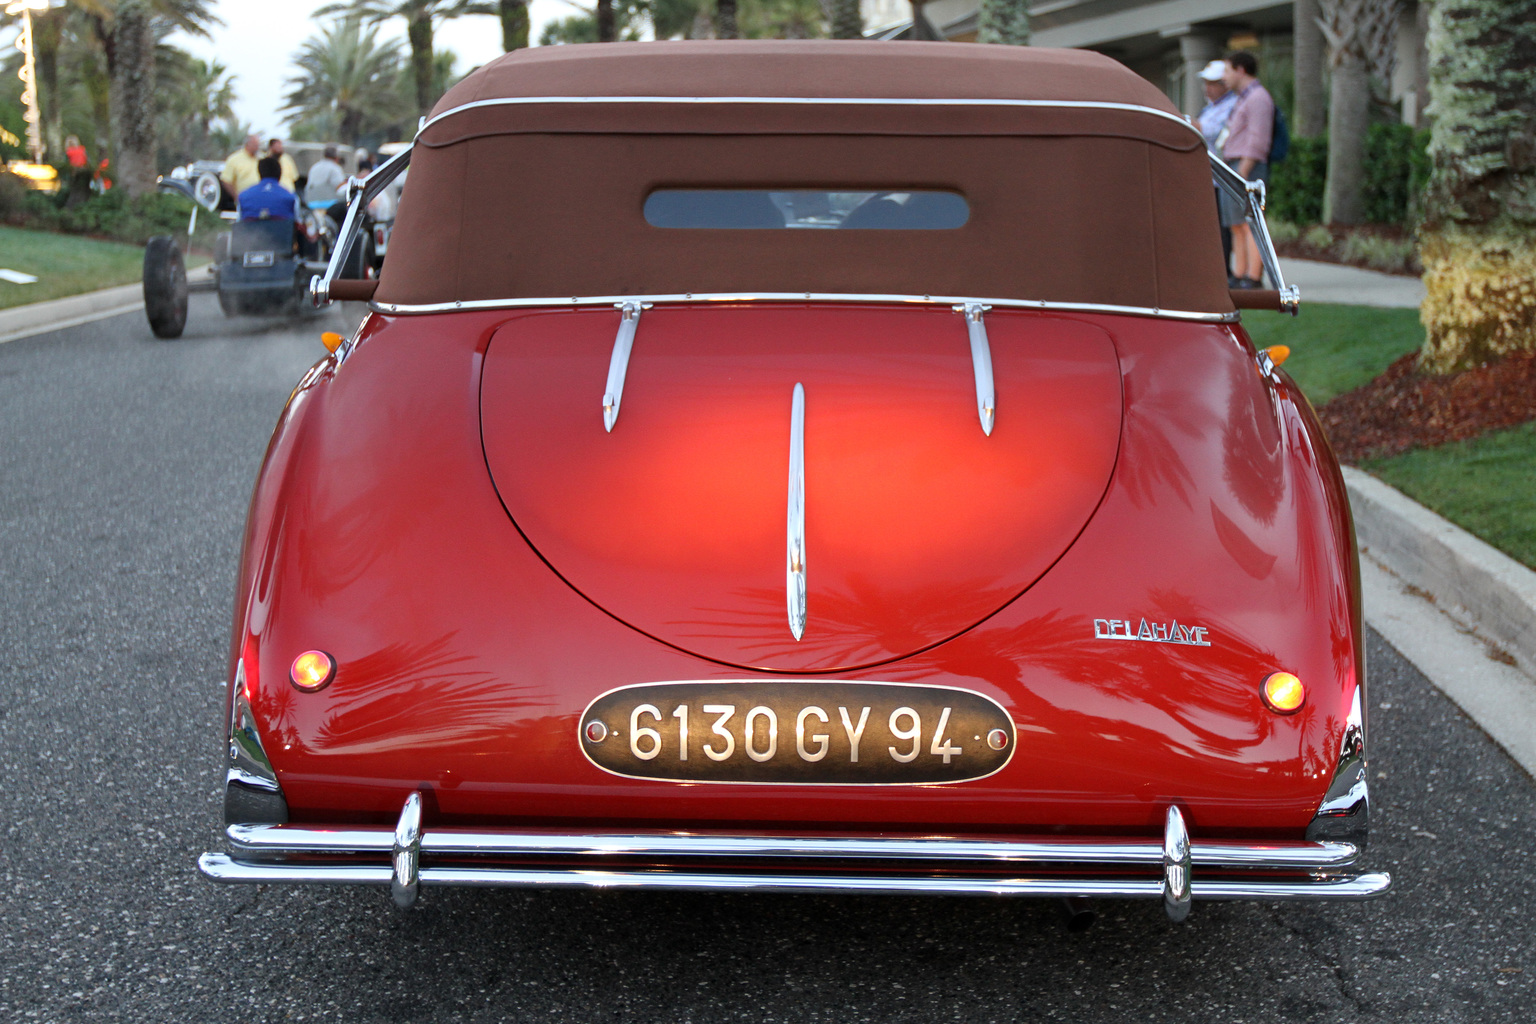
x=1177 y=870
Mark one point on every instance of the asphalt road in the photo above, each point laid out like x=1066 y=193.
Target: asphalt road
x=125 y=467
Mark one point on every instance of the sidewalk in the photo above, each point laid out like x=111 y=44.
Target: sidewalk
x=1334 y=282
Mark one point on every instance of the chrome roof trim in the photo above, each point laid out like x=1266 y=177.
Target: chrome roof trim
x=818 y=101
x=690 y=297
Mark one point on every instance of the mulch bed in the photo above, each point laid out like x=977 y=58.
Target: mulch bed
x=1403 y=409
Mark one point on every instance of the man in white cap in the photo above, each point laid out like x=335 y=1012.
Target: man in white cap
x=1219 y=101
x=1212 y=122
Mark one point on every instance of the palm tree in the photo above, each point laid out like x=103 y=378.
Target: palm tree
x=1361 y=37
x=725 y=20
x=1003 y=21
x=133 y=95
x=1307 y=61
x=514 y=24
x=346 y=81
x=421 y=20
x=194 y=94
x=781 y=19
x=127 y=33
x=1476 y=240
x=846 y=18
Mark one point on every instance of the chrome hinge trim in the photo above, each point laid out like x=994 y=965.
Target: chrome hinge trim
x=794 y=576
x=1345 y=813
x=618 y=363
x=248 y=762
x=405 y=859
x=1176 y=866
x=1252 y=195
x=981 y=363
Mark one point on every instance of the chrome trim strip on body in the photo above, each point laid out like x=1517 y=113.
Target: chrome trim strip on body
x=1252 y=194
x=275 y=841
x=1177 y=861
x=981 y=363
x=220 y=868
x=794 y=571
x=856 y=297
x=816 y=101
x=618 y=363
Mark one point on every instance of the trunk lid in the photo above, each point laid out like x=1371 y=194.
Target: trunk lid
x=917 y=523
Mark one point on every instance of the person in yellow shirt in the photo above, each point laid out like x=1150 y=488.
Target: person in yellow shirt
x=240 y=171
x=290 y=176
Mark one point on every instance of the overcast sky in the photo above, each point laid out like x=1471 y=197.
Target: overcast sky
x=259 y=37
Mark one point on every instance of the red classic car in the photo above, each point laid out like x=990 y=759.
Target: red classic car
x=808 y=467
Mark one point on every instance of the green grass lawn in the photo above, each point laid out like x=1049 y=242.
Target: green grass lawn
x=1335 y=349
x=64 y=265
x=1484 y=485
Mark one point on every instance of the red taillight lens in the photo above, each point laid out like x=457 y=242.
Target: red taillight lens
x=1283 y=693
x=312 y=670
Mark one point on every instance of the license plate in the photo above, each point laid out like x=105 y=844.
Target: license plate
x=797 y=732
x=259 y=259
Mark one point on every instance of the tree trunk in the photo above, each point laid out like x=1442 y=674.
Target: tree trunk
x=1478 y=238
x=419 y=31
x=1003 y=21
x=133 y=97
x=847 y=20
x=47 y=33
x=1308 y=57
x=1349 y=107
x=606 y=32
x=514 y=25
x=725 y=20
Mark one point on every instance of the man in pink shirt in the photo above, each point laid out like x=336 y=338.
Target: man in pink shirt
x=1250 y=130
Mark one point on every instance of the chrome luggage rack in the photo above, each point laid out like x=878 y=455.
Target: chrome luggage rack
x=408 y=857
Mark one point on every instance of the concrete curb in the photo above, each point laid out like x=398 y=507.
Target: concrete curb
x=57 y=314
x=1472 y=582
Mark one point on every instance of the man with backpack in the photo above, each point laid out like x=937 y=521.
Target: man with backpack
x=1246 y=148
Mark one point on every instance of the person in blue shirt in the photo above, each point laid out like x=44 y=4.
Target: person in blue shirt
x=267 y=199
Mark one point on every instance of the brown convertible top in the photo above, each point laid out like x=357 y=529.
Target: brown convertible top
x=1084 y=184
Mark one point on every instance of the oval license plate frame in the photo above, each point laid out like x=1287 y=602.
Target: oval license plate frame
x=797 y=732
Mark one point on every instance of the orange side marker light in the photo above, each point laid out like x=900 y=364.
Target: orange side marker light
x=1283 y=693
x=1278 y=353
x=312 y=670
x=332 y=341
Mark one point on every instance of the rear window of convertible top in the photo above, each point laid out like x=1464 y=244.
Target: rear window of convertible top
x=802 y=208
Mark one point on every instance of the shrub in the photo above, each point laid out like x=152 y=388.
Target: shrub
x=1382 y=253
x=1297 y=183
x=1283 y=231
x=1396 y=168
x=13 y=197
x=1318 y=237
x=113 y=215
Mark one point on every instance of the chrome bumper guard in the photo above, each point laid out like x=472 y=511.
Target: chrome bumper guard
x=408 y=857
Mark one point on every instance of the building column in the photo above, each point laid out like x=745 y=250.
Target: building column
x=1197 y=48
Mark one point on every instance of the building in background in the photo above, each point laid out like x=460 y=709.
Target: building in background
x=1167 y=42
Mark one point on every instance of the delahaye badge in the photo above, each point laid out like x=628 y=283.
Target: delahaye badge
x=1153 y=632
